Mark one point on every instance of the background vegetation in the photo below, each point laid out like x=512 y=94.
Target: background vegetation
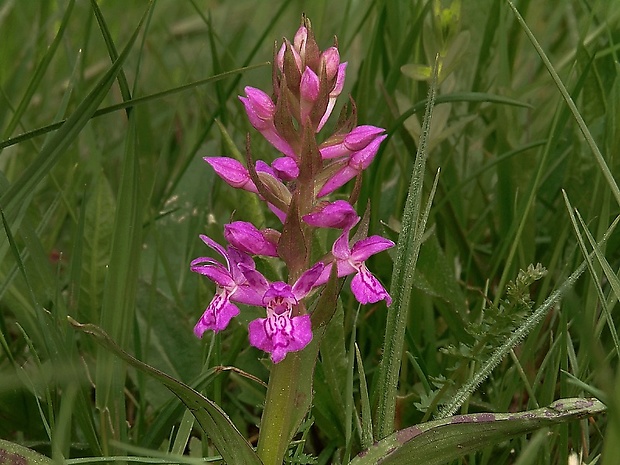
x=101 y=217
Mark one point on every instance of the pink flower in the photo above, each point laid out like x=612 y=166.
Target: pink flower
x=281 y=332
x=249 y=239
x=358 y=160
x=231 y=285
x=339 y=214
x=365 y=286
x=261 y=111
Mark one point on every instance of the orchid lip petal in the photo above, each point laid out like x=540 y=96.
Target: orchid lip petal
x=367 y=288
x=280 y=334
x=217 y=315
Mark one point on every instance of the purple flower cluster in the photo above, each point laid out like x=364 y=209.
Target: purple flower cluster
x=306 y=84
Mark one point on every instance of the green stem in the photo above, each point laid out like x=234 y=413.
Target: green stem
x=288 y=399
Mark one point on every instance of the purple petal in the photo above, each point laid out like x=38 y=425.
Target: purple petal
x=341 y=249
x=280 y=334
x=260 y=102
x=309 y=85
x=340 y=77
x=232 y=172
x=331 y=58
x=274 y=138
x=247 y=238
x=367 y=289
x=247 y=295
x=255 y=280
x=262 y=167
x=217 y=315
x=306 y=281
x=364 y=248
x=334 y=151
x=279 y=213
x=361 y=136
x=215 y=246
x=362 y=159
x=344 y=175
x=300 y=39
x=333 y=94
x=286 y=168
x=338 y=214
x=216 y=272
x=279 y=299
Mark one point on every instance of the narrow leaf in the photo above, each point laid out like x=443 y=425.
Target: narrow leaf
x=225 y=436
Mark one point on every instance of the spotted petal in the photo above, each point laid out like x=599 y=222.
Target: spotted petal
x=367 y=289
x=280 y=334
x=217 y=315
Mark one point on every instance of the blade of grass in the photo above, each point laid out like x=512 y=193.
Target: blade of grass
x=609 y=274
x=118 y=305
x=571 y=105
x=107 y=37
x=407 y=251
x=39 y=72
x=131 y=103
x=366 y=435
x=15 y=196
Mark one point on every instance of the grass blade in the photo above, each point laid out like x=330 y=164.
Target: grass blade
x=227 y=439
x=15 y=196
x=571 y=105
x=408 y=248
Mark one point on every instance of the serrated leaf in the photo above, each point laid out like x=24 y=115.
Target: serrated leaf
x=227 y=439
x=441 y=441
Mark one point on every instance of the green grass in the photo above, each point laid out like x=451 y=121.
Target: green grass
x=101 y=217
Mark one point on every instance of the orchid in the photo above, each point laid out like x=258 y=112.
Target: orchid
x=306 y=83
x=351 y=260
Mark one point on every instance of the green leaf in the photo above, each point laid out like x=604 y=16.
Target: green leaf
x=227 y=439
x=11 y=453
x=441 y=441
